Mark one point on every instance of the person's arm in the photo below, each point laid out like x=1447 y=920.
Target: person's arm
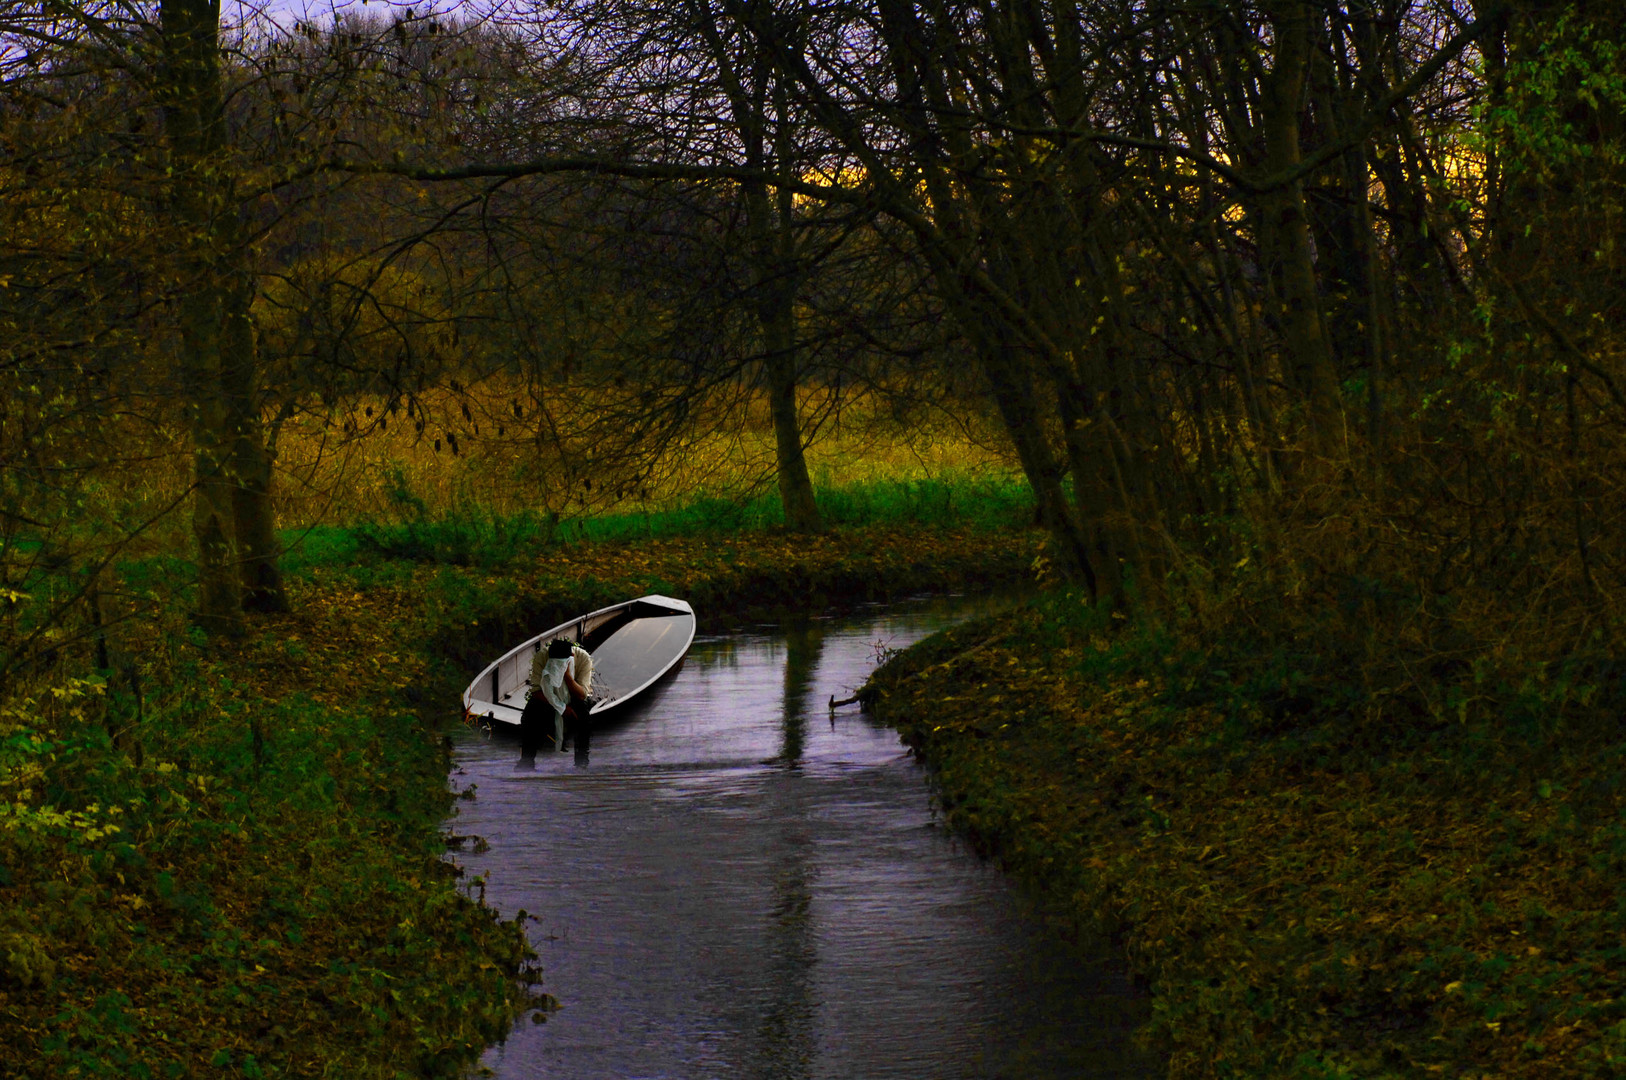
x=574 y=687
x=582 y=667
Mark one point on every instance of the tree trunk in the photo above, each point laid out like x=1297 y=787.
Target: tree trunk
x=1285 y=230
x=233 y=521
x=189 y=88
x=770 y=225
x=253 y=513
x=213 y=517
x=779 y=261
x=1012 y=388
x=795 y=486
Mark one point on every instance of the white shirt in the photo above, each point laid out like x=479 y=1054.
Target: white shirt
x=548 y=677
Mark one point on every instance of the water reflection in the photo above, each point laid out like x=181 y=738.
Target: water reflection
x=785 y=1035
x=802 y=641
x=738 y=888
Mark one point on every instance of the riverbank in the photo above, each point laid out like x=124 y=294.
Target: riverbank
x=1311 y=887
x=228 y=861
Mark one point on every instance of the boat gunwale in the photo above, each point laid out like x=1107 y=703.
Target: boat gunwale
x=486 y=709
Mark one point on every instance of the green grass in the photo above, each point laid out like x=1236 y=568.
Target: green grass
x=987 y=503
x=472 y=536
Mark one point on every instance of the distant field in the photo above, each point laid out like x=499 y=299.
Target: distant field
x=448 y=485
x=441 y=459
x=351 y=487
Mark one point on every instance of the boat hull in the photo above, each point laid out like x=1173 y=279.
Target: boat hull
x=635 y=645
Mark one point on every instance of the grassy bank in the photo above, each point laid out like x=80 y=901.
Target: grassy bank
x=1313 y=884
x=492 y=540
x=462 y=613
x=227 y=862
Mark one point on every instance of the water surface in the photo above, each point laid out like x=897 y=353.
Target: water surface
x=734 y=883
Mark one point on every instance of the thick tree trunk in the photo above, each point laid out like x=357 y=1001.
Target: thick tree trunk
x=213 y=528
x=233 y=522
x=1010 y=377
x=257 y=547
x=779 y=261
x=1285 y=229
x=1089 y=454
x=795 y=486
x=775 y=269
x=189 y=87
x=253 y=513
x=1012 y=389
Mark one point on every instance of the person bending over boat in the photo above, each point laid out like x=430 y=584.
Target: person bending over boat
x=547 y=698
x=578 y=682
x=561 y=681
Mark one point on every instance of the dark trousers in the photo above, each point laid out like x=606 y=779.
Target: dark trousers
x=535 y=725
x=578 y=722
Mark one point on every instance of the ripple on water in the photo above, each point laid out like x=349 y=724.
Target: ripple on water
x=737 y=885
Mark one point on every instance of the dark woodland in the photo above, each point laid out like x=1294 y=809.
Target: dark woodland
x=1278 y=344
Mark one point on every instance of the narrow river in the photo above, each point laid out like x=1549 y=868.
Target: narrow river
x=734 y=883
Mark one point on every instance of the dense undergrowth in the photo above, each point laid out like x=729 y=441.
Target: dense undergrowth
x=228 y=864
x=228 y=860
x=1318 y=878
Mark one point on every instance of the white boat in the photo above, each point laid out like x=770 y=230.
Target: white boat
x=634 y=644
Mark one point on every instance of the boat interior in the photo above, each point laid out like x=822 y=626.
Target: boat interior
x=593 y=633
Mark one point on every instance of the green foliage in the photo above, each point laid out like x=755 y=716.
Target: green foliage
x=948 y=502
x=265 y=861
x=1548 y=120
x=469 y=535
